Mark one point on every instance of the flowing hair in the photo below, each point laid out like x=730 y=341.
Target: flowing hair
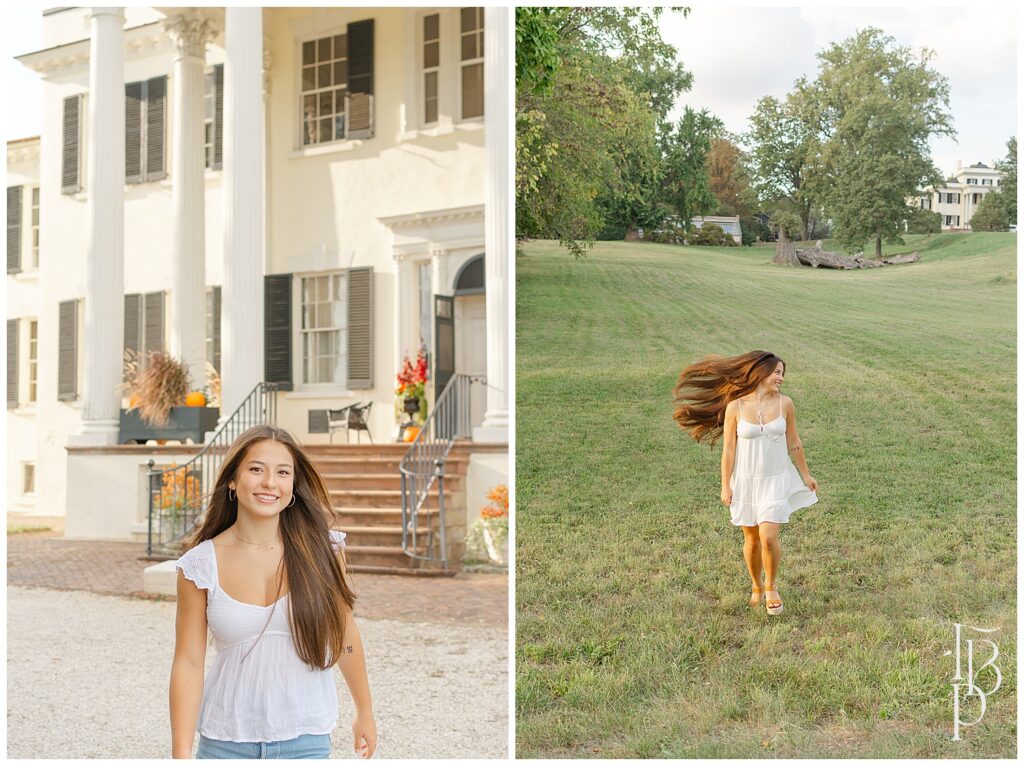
x=318 y=589
x=705 y=388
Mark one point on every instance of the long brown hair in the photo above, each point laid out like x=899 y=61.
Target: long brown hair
x=705 y=388
x=317 y=584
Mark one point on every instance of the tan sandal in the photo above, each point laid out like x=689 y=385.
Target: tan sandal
x=772 y=605
x=755 y=596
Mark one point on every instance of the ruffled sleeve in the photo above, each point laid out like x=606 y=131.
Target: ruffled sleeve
x=338 y=539
x=197 y=565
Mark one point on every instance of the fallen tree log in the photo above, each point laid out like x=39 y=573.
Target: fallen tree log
x=815 y=257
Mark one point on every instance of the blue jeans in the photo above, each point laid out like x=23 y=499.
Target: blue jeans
x=305 y=746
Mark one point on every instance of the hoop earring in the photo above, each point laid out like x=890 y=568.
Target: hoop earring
x=230 y=496
x=292 y=502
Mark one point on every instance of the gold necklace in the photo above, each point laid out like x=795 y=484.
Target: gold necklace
x=232 y=528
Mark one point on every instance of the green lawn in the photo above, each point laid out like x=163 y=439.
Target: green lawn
x=633 y=634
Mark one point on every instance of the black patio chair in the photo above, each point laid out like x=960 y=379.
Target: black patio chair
x=351 y=418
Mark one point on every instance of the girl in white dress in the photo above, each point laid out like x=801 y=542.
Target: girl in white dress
x=739 y=397
x=265 y=574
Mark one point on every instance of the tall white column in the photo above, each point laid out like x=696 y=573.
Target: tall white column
x=188 y=195
x=104 y=282
x=242 y=294
x=497 y=75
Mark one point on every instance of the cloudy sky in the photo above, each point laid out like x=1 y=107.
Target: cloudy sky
x=738 y=55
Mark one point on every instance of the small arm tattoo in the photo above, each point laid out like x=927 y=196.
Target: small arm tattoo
x=347 y=649
x=797 y=448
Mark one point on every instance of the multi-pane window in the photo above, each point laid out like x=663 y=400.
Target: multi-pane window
x=33 y=342
x=986 y=181
x=35 y=227
x=324 y=87
x=209 y=115
x=975 y=198
x=426 y=302
x=28 y=486
x=972 y=181
x=471 y=39
x=324 y=328
x=431 y=63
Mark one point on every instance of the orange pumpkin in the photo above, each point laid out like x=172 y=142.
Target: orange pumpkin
x=195 y=399
x=411 y=432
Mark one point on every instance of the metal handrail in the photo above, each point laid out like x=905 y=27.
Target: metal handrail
x=424 y=465
x=178 y=495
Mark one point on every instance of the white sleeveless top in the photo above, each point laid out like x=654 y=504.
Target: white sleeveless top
x=765 y=484
x=270 y=695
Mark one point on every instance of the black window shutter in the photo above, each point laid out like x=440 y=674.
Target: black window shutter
x=12 y=363
x=133 y=324
x=156 y=102
x=218 y=122
x=360 y=79
x=71 y=176
x=277 y=330
x=133 y=98
x=67 y=351
x=216 y=329
x=14 y=208
x=360 y=328
x=154 y=322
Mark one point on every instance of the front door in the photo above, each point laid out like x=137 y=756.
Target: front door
x=444 y=336
x=471 y=349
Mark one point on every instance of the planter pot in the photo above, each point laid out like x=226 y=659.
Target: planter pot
x=182 y=423
x=411 y=405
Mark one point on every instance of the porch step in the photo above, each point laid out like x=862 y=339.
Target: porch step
x=348 y=517
x=382 y=556
x=383 y=498
x=422 y=572
x=390 y=536
x=388 y=481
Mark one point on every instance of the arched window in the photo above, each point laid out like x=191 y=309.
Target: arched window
x=470 y=279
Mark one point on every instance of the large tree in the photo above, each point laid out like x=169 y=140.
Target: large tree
x=785 y=154
x=592 y=85
x=685 y=149
x=729 y=178
x=1008 y=186
x=876 y=105
x=992 y=213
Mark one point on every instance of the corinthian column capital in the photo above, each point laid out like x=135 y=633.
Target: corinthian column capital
x=190 y=34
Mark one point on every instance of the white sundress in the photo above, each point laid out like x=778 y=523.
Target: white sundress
x=270 y=695
x=766 y=486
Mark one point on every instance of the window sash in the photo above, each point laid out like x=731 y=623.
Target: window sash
x=471 y=66
x=35 y=227
x=431 y=64
x=323 y=79
x=33 y=366
x=28 y=486
x=323 y=307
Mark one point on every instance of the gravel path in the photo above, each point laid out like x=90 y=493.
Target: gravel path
x=87 y=677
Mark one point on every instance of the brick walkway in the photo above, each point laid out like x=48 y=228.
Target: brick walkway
x=42 y=560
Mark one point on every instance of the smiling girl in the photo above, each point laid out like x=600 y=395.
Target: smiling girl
x=740 y=397
x=266 y=575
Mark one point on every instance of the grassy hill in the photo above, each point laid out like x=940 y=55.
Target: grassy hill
x=633 y=634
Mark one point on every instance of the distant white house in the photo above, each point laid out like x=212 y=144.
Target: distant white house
x=294 y=195
x=730 y=224
x=958 y=198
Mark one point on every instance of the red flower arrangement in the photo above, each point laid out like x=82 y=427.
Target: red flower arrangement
x=412 y=383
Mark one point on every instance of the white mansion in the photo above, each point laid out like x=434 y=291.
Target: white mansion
x=958 y=198
x=291 y=195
